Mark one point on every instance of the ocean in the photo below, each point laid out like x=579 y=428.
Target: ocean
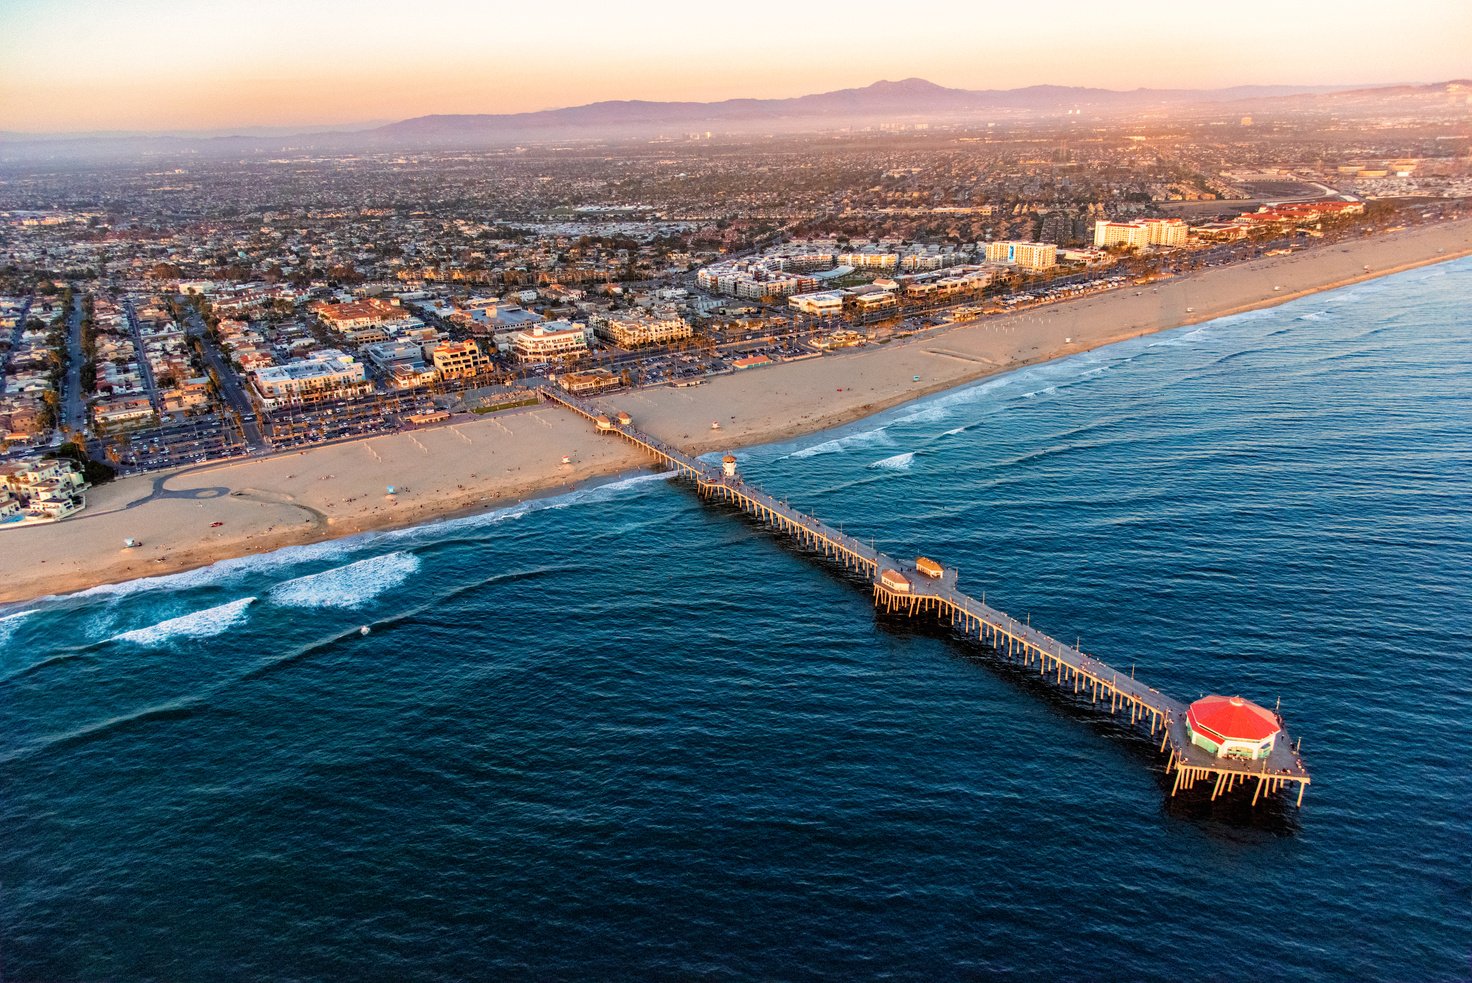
x=620 y=734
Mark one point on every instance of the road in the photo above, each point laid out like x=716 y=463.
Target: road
x=231 y=389
x=73 y=401
x=144 y=368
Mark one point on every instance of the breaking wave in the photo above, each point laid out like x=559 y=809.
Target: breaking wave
x=839 y=445
x=349 y=586
x=199 y=624
x=900 y=462
x=10 y=622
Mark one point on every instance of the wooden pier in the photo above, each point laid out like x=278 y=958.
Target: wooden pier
x=900 y=587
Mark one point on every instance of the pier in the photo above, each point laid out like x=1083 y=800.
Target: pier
x=921 y=588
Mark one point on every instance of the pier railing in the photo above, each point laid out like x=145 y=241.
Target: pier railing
x=917 y=594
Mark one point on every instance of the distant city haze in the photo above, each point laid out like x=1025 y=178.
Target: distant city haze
x=159 y=65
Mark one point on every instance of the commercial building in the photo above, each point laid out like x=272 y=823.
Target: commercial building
x=822 y=303
x=944 y=284
x=551 y=341
x=592 y=381
x=1028 y=255
x=458 y=360
x=870 y=299
x=1231 y=727
x=1141 y=234
x=358 y=314
x=331 y=374
x=633 y=329
x=401 y=363
x=1301 y=213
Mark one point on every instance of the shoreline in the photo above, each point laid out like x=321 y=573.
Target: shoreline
x=336 y=491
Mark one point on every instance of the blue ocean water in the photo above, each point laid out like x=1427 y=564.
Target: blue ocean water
x=620 y=734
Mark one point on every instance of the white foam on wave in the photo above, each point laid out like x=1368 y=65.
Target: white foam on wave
x=1316 y=316
x=937 y=408
x=900 y=462
x=198 y=624
x=222 y=570
x=226 y=570
x=348 y=586
x=10 y=622
x=839 y=445
x=1040 y=392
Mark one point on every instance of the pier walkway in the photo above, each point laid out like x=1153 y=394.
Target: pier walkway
x=901 y=587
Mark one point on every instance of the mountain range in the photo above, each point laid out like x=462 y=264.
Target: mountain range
x=908 y=100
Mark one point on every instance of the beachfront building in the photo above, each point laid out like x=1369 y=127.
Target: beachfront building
x=1140 y=234
x=552 y=341
x=458 y=360
x=41 y=489
x=592 y=381
x=631 y=329
x=1028 y=255
x=1301 y=213
x=871 y=298
x=328 y=375
x=1231 y=727
x=821 y=303
x=945 y=284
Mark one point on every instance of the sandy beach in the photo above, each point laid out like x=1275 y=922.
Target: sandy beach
x=473 y=464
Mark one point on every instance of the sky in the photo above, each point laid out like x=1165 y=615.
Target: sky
x=174 y=65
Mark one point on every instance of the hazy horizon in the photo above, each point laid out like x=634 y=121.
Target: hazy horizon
x=83 y=67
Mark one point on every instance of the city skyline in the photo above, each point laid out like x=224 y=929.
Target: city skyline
x=164 y=65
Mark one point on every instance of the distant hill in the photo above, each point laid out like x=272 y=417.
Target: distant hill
x=908 y=100
x=908 y=97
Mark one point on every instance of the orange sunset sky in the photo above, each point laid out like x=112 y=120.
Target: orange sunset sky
x=85 y=65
